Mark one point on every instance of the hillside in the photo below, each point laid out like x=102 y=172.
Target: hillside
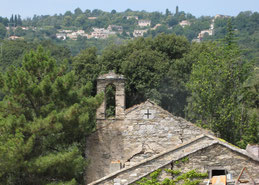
x=201 y=69
x=82 y=29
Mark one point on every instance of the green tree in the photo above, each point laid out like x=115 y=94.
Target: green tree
x=151 y=67
x=176 y=10
x=78 y=12
x=19 y=21
x=44 y=119
x=67 y=21
x=173 y=87
x=15 y=20
x=167 y=12
x=86 y=65
x=80 y=20
x=172 y=21
x=144 y=70
x=2 y=31
x=113 y=12
x=216 y=84
x=4 y=21
x=68 y=13
x=12 y=19
x=19 y=32
x=12 y=52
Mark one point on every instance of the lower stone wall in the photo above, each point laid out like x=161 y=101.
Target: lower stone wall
x=134 y=173
x=201 y=154
x=219 y=157
x=104 y=147
x=134 y=139
x=214 y=157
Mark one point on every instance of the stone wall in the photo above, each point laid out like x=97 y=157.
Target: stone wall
x=144 y=137
x=132 y=174
x=147 y=130
x=202 y=154
x=218 y=157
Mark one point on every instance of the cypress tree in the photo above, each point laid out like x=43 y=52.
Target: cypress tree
x=12 y=19
x=19 y=21
x=176 y=10
x=15 y=20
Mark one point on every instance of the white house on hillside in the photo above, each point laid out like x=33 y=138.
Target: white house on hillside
x=139 y=33
x=132 y=17
x=143 y=23
x=185 y=23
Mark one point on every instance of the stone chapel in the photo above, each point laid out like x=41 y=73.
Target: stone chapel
x=139 y=140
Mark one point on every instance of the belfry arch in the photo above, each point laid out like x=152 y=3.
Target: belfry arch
x=110 y=101
x=118 y=82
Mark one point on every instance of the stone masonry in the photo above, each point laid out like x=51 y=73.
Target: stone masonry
x=134 y=135
x=145 y=137
x=204 y=153
x=117 y=80
x=219 y=156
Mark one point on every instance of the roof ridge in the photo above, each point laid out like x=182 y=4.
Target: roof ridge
x=128 y=110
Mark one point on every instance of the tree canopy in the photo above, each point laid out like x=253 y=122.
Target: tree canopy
x=44 y=119
x=218 y=100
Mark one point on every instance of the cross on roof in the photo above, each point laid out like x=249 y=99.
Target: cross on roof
x=147 y=114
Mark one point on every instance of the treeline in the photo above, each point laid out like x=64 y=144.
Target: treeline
x=49 y=98
x=246 y=26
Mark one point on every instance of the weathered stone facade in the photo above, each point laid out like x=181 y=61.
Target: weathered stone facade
x=137 y=137
x=144 y=138
x=218 y=156
x=204 y=154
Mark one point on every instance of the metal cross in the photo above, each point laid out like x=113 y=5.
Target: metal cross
x=147 y=114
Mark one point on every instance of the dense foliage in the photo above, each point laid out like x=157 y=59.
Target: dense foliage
x=219 y=99
x=46 y=27
x=191 y=177
x=44 y=118
x=13 y=51
x=48 y=99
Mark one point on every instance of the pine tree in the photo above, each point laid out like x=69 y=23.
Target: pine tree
x=44 y=119
x=216 y=84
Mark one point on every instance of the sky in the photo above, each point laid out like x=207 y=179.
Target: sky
x=28 y=8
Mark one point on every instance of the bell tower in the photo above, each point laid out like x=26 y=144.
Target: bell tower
x=119 y=82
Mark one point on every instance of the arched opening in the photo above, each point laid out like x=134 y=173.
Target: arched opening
x=110 y=109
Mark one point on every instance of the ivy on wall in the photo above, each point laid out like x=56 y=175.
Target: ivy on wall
x=191 y=177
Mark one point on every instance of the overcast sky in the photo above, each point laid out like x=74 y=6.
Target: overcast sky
x=27 y=8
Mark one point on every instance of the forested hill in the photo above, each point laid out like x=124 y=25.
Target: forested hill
x=203 y=69
x=82 y=29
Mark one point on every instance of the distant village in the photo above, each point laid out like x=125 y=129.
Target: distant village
x=104 y=33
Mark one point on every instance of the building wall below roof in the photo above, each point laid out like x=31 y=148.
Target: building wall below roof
x=146 y=131
x=216 y=157
x=205 y=159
